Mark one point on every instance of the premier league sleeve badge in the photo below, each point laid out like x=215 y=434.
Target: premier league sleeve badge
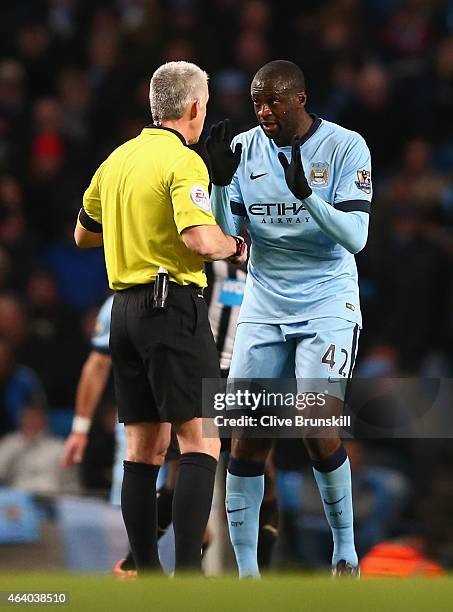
x=364 y=180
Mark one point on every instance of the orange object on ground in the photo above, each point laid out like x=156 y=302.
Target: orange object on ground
x=402 y=558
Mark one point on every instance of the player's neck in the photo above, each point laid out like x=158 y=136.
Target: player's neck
x=304 y=125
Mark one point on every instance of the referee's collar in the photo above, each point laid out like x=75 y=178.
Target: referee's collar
x=168 y=129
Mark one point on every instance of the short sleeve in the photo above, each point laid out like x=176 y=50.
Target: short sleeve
x=354 y=190
x=189 y=181
x=100 y=338
x=92 y=200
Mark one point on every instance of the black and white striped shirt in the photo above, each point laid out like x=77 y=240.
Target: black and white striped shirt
x=223 y=317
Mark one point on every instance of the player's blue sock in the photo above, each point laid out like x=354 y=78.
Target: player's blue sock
x=244 y=494
x=333 y=477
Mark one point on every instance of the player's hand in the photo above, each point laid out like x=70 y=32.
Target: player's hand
x=74 y=449
x=223 y=162
x=294 y=171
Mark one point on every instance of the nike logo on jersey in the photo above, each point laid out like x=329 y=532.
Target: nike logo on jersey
x=335 y=502
x=255 y=176
x=237 y=510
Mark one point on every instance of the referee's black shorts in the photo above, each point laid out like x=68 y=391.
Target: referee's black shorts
x=161 y=356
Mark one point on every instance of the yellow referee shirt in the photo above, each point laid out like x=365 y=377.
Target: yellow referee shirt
x=142 y=197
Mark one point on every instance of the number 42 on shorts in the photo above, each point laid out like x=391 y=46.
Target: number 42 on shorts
x=334 y=354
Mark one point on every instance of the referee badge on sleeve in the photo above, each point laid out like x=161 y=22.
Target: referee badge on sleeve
x=200 y=198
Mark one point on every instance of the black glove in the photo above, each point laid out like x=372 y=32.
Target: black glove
x=223 y=161
x=294 y=171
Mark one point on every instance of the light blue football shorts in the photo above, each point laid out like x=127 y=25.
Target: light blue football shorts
x=320 y=353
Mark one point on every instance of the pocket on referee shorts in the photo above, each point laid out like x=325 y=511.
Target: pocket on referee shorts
x=200 y=313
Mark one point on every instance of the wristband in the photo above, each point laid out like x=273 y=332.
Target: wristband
x=240 y=246
x=81 y=424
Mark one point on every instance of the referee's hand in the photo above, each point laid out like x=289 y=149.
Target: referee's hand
x=74 y=449
x=223 y=162
x=238 y=260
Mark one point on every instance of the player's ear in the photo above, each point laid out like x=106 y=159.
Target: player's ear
x=302 y=97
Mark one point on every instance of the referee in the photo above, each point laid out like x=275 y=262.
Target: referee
x=148 y=204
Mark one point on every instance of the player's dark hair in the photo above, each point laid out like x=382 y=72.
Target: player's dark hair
x=288 y=74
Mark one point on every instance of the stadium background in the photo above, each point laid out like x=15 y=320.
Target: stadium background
x=74 y=82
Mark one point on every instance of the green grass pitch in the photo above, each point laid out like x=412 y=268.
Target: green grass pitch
x=278 y=593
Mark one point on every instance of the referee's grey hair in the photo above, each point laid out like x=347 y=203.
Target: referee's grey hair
x=173 y=87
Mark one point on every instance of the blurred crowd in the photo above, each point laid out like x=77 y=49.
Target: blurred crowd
x=74 y=80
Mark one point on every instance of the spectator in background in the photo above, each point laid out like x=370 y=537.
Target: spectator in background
x=48 y=337
x=341 y=93
x=13 y=100
x=53 y=192
x=108 y=81
x=441 y=94
x=75 y=99
x=179 y=49
x=13 y=323
x=407 y=33
x=409 y=295
x=80 y=273
x=33 y=49
x=30 y=458
x=19 y=387
x=56 y=346
x=15 y=236
x=416 y=182
x=5 y=270
x=230 y=95
x=373 y=107
x=251 y=51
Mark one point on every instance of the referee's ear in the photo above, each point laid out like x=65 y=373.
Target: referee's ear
x=194 y=109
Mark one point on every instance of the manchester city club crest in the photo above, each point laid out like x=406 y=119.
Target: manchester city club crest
x=319 y=174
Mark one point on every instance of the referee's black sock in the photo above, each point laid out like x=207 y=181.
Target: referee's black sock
x=191 y=507
x=139 y=508
x=164 y=503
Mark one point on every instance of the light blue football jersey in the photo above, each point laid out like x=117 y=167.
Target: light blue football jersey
x=101 y=336
x=296 y=272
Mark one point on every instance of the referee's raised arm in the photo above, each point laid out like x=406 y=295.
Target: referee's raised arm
x=148 y=204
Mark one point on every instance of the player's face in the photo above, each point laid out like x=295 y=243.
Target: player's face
x=277 y=110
